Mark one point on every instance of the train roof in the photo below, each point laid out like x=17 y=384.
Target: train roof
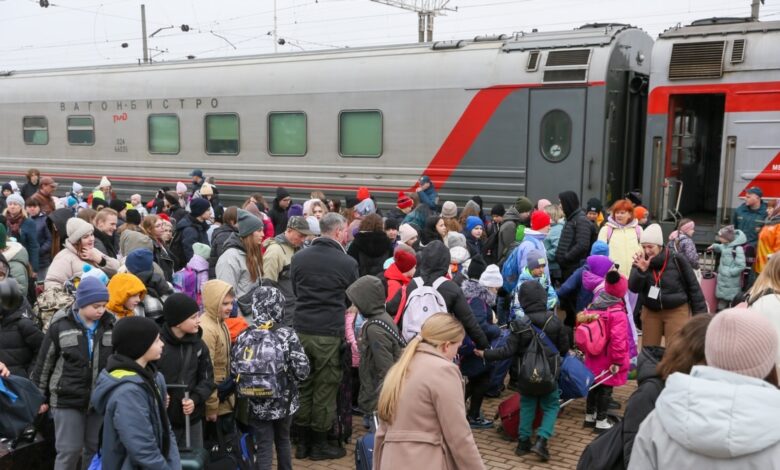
x=719 y=27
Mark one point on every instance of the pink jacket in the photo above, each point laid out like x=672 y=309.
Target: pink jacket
x=617 y=349
x=349 y=328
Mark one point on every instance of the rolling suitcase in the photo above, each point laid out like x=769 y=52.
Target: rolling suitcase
x=30 y=451
x=364 y=449
x=709 y=281
x=191 y=459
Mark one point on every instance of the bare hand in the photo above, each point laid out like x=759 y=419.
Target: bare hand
x=418 y=189
x=4 y=372
x=167 y=400
x=188 y=406
x=479 y=353
x=43 y=408
x=212 y=418
x=641 y=262
x=614 y=368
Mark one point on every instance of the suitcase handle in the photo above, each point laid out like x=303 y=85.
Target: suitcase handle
x=187 y=435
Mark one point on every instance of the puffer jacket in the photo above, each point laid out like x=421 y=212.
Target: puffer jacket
x=613 y=311
x=683 y=245
x=481 y=302
x=65 y=372
x=68 y=263
x=231 y=266
x=506 y=233
x=379 y=348
x=20 y=341
x=544 y=281
x=732 y=264
x=192 y=231
x=551 y=242
x=623 y=241
x=217 y=338
x=711 y=419
x=370 y=250
x=642 y=401
x=678 y=284
x=532 y=240
x=44 y=240
x=768 y=242
x=577 y=236
x=18 y=262
x=28 y=237
x=218 y=239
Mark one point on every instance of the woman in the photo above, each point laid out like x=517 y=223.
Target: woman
x=768 y=240
x=764 y=296
x=557 y=220
x=371 y=247
x=79 y=250
x=681 y=242
x=622 y=233
x=421 y=407
x=314 y=207
x=241 y=264
x=725 y=414
x=22 y=228
x=155 y=228
x=434 y=229
x=667 y=287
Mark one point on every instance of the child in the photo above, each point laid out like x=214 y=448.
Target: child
x=273 y=397
x=732 y=264
x=73 y=352
x=131 y=396
x=200 y=263
x=609 y=306
x=534 y=271
x=533 y=300
x=126 y=291
x=185 y=361
x=681 y=242
x=218 y=299
x=397 y=276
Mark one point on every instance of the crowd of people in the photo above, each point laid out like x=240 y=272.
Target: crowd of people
x=144 y=323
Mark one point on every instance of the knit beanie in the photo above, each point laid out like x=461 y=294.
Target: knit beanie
x=727 y=233
x=491 y=277
x=202 y=250
x=90 y=271
x=295 y=210
x=179 y=307
x=404 y=260
x=363 y=194
x=459 y=255
x=594 y=205
x=652 y=234
x=542 y=203
x=404 y=201
x=523 y=204
x=473 y=205
x=449 y=210
x=615 y=284
x=365 y=207
x=77 y=229
x=498 y=210
x=181 y=187
x=742 y=341
x=206 y=190
x=281 y=193
x=7 y=187
x=539 y=220
x=98 y=203
x=599 y=264
x=536 y=259
x=139 y=260
x=407 y=232
x=117 y=205
x=4 y=236
x=314 y=225
x=15 y=199
x=90 y=291
x=76 y=188
x=599 y=248
x=133 y=336
x=520 y=233
x=104 y=183
x=14 y=186
x=391 y=224
x=472 y=222
x=477 y=266
x=133 y=217
x=71 y=202
x=248 y=223
x=199 y=206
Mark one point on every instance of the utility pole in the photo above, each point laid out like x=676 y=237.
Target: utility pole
x=276 y=46
x=143 y=33
x=754 y=7
x=426 y=10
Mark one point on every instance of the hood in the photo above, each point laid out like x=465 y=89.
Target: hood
x=739 y=239
x=15 y=250
x=233 y=241
x=599 y=264
x=107 y=382
x=718 y=413
x=393 y=273
x=267 y=305
x=603 y=301
x=373 y=244
x=647 y=362
x=614 y=223
x=532 y=297
x=534 y=234
x=214 y=291
x=512 y=214
x=570 y=203
x=368 y=295
x=198 y=263
x=280 y=239
x=131 y=240
x=434 y=261
x=120 y=288
x=591 y=281
x=473 y=289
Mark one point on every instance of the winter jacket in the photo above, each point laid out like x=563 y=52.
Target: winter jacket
x=278 y=217
x=44 y=240
x=551 y=247
x=395 y=214
x=65 y=371
x=370 y=250
x=433 y=263
x=678 y=284
x=506 y=234
x=429 y=429
x=68 y=263
x=165 y=260
x=613 y=311
x=218 y=238
x=429 y=197
x=231 y=266
x=217 y=338
x=574 y=285
x=480 y=300
x=711 y=419
x=750 y=221
x=379 y=348
x=393 y=280
x=20 y=341
x=132 y=426
x=684 y=246
x=732 y=264
x=623 y=241
x=532 y=240
x=276 y=267
x=474 y=245
x=18 y=263
x=768 y=243
x=177 y=213
x=105 y=244
x=642 y=401
x=526 y=276
x=192 y=231
x=320 y=276
x=28 y=189
x=577 y=236
x=28 y=237
x=768 y=305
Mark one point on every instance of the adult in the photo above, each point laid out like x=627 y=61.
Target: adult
x=104 y=189
x=764 y=295
x=277 y=258
x=43 y=234
x=722 y=415
x=278 y=212
x=190 y=230
x=79 y=250
x=768 y=240
x=197 y=181
x=426 y=191
x=32 y=185
x=421 y=408
x=622 y=232
x=314 y=208
x=577 y=236
x=434 y=230
x=154 y=227
x=20 y=339
x=45 y=195
x=371 y=247
x=241 y=263
x=105 y=227
x=667 y=287
x=18 y=260
x=403 y=207
x=750 y=215
x=22 y=228
x=506 y=233
x=320 y=277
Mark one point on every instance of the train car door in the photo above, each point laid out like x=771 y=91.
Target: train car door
x=555 y=142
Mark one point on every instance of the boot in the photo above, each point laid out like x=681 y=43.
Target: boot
x=321 y=450
x=540 y=449
x=303 y=448
x=523 y=447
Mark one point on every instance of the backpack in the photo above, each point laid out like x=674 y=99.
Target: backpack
x=51 y=301
x=591 y=338
x=423 y=302
x=511 y=269
x=536 y=375
x=259 y=367
x=185 y=281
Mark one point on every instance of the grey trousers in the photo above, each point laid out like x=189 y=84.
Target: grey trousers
x=76 y=433
x=196 y=435
x=270 y=434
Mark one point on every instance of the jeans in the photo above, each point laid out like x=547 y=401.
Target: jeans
x=269 y=434
x=318 y=392
x=598 y=401
x=76 y=435
x=550 y=404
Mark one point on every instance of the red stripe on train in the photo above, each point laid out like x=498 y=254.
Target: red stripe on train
x=768 y=180
x=740 y=97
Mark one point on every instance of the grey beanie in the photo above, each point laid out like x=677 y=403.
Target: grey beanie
x=248 y=223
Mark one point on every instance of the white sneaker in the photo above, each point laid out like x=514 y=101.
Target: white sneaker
x=590 y=420
x=603 y=425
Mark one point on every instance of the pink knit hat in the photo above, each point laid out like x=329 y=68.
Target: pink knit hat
x=615 y=284
x=741 y=341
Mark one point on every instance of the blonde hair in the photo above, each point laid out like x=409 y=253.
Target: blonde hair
x=768 y=280
x=555 y=212
x=438 y=329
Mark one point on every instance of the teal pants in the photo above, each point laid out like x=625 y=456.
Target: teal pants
x=549 y=404
x=318 y=392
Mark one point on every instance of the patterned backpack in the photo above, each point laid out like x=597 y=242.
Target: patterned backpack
x=259 y=364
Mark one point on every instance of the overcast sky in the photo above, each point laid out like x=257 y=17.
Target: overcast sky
x=88 y=32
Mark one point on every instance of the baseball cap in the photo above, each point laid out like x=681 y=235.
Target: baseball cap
x=299 y=224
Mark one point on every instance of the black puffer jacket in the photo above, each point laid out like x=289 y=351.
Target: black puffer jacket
x=198 y=375
x=370 y=250
x=64 y=371
x=105 y=244
x=278 y=217
x=433 y=263
x=678 y=284
x=218 y=239
x=642 y=401
x=192 y=231
x=20 y=341
x=577 y=236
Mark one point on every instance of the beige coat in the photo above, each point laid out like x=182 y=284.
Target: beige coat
x=430 y=430
x=67 y=264
x=623 y=243
x=217 y=339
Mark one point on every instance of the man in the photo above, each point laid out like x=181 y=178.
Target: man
x=190 y=230
x=45 y=195
x=172 y=207
x=105 y=227
x=750 y=215
x=577 y=236
x=197 y=180
x=278 y=212
x=278 y=255
x=320 y=276
x=403 y=206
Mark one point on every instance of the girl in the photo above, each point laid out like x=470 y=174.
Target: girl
x=732 y=264
x=241 y=264
x=681 y=242
x=154 y=227
x=371 y=247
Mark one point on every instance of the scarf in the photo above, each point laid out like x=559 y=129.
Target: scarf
x=14 y=224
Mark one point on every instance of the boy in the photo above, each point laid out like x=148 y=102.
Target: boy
x=131 y=395
x=218 y=299
x=126 y=291
x=74 y=350
x=536 y=263
x=185 y=361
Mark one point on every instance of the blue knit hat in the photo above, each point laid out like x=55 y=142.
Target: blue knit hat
x=90 y=291
x=473 y=221
x=600 y=248
x=139 y=260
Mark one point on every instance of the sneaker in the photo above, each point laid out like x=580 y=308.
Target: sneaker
x=638 y=332
x=480 y=423
x=603 y=425
x=590 y=420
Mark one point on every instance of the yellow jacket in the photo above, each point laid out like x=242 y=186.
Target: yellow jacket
x=623 y=243
x=217 y=338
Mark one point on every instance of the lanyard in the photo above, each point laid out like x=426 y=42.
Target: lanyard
x=657 y=274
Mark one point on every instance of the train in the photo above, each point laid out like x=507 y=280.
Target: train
x=686 y=119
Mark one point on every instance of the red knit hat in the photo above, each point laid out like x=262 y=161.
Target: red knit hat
x=539 y=220
x=363 y=194
x=404 y=201
x=165 y=217
x=404 y=260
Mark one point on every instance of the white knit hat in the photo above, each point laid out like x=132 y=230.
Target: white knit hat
x=652 y=234
x=77 y=188
x=78 y=228
x=104 y=182
x=459 y=255
x=181 y=187
x=449 y=210
x=491 y=277
x=407 y=232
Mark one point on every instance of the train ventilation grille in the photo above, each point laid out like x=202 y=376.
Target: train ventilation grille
x=568 y=57
x=533 y=61
x=738 y=51
x=575 y=75
x=693 y=60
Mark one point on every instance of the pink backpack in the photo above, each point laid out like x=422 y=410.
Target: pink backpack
x=591 y=338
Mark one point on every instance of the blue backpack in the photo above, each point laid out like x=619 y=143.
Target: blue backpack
x=511 y=269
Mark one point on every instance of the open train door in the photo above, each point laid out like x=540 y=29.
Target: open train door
x=555 y=142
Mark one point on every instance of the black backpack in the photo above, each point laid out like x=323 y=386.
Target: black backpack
x=537 y=369
x=177 y=250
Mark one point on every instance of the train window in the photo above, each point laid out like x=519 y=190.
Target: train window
x=556 y=135
x=287 y=134
x=164 y=133
x=360 y=133
x=222 y=134
x=35 y=130
x=81 y=130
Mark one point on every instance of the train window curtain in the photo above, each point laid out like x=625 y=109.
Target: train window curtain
x=164 y=133
x=360 y=133
x=287 y=134
x=36 y=130
x=222 y=134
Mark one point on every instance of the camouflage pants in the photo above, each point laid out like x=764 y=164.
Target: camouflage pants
x=318 y=392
